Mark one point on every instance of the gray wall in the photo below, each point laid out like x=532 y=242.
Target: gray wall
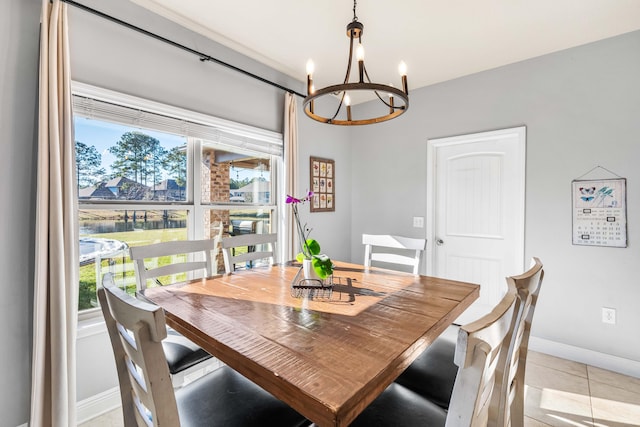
x=330 y=229
x=581 y=108
x=19 y=31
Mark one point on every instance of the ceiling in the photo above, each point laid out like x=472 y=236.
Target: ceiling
x=438 y=40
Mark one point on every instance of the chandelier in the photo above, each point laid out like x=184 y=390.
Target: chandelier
x=395 y=101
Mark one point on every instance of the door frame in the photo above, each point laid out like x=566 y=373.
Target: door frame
x=519 y=206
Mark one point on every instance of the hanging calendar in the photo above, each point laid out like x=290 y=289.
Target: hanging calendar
x=600 y=212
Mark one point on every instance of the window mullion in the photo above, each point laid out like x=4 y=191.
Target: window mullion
x=195 y=191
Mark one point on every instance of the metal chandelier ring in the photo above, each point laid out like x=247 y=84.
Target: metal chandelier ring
x=350 y=87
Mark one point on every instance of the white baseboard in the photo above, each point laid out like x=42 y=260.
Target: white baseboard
x=109 y=400
x=99 y=404
x=589 y=357
x=95 y=406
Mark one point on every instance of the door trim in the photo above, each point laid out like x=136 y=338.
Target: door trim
x=433 y=144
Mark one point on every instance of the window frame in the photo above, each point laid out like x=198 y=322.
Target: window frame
x=193 y=204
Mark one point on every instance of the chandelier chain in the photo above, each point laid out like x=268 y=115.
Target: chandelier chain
x=355 y=18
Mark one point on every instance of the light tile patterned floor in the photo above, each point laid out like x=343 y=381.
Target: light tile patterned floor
x=564 y=393
x=559 y=393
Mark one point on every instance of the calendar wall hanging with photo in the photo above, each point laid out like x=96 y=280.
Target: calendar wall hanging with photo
x=600 y=212
x=323 y=174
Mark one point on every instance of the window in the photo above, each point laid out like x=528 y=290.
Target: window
x=149 y=173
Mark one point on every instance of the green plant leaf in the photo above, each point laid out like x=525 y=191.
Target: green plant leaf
x=313 y=246
x=322 y=265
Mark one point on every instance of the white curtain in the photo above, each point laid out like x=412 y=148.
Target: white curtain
x=55 y=305
x=290 y=170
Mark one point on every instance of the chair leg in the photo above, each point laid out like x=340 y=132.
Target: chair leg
x=517 y=406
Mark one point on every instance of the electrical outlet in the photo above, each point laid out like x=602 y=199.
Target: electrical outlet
x=609 y=315
x=418 y=221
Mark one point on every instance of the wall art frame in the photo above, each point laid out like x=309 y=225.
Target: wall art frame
x=322 y=182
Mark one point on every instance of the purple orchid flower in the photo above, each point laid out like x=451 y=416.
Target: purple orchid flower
x=293 y=200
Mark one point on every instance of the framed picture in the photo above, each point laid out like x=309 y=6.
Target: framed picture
x=600 y=212
x=322 y=183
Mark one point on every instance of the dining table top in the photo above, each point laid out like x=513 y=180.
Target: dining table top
x=326 y=355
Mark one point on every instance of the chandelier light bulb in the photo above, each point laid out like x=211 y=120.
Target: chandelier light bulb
x=360 y=58
x=347 y=102
x=402 y=68
x=360 y=52
x=310 y=67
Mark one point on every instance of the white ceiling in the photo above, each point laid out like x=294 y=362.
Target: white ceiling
x=438 y=40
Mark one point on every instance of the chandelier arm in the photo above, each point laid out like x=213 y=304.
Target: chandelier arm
x=339 y=107
x=385 y=102
x=366 y=74
x=346 y=77
x=377 y=94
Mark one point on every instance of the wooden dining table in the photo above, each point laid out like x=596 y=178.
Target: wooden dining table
x=328 y=355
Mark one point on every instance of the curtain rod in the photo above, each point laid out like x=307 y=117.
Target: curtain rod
x=203 y=56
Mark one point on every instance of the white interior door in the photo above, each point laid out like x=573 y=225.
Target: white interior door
x=475 y=213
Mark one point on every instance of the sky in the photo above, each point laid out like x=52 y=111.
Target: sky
x=103 y=135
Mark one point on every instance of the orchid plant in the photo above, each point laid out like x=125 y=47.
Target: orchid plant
x=310 y=248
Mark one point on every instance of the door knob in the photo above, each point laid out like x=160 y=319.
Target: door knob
x=439 y=242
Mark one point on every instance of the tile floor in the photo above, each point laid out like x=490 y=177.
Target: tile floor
x=559 y=393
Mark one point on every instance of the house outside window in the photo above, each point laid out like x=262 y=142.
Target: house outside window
x=149 y=173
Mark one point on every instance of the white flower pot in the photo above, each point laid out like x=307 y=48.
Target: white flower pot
x=309 y=272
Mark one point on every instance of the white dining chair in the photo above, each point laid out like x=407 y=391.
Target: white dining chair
x=220 y=398
x=259 y=246
x=479 y=345
x=193 y=257
x=509 y=403
x=393 y=250
x=433 y=374
x=187 y=256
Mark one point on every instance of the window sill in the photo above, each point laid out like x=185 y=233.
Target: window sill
x=91 y=322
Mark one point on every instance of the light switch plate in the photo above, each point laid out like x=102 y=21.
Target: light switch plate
x=609 y=315
x=418 y=221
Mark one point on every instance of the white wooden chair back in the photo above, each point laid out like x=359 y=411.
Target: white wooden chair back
x=136 y=329
x=478 y=350
x=509 y=403
x=255 y=241
x=375 y=242
x=184 y=249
